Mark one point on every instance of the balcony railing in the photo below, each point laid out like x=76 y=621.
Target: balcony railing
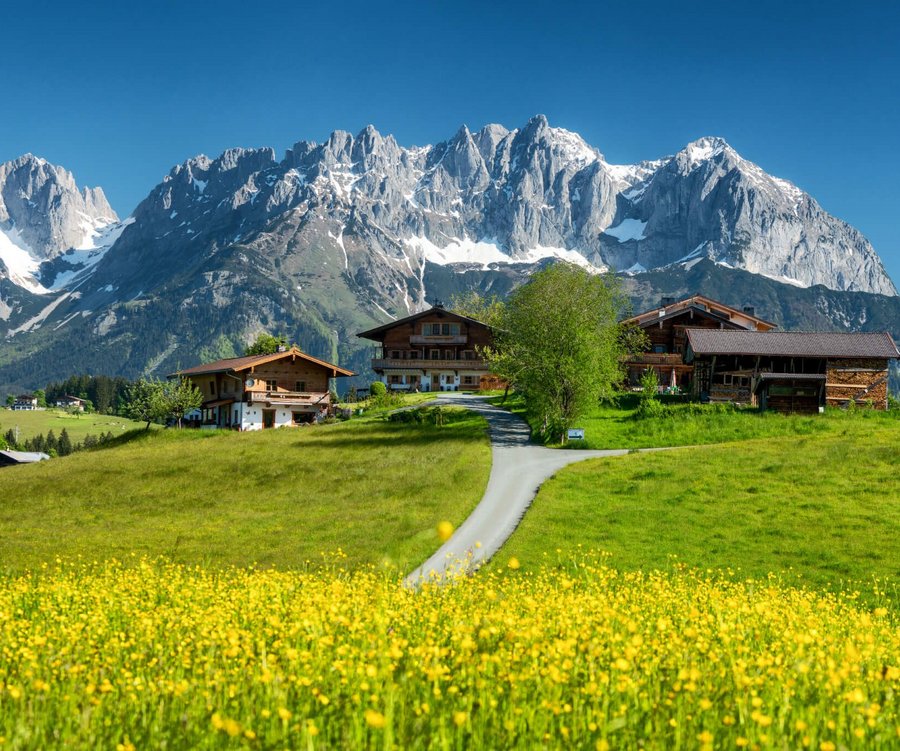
x=653 y=358
x=435 y=340
x=290 y=398
x=380 y=363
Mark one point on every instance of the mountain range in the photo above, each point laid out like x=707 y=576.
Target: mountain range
x=338 y=236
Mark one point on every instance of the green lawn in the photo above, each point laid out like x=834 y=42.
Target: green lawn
x=374 y=489
x=31 y=423
x=824 y=507
x=617 y=425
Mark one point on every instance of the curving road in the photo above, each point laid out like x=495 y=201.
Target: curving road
x=518 y=470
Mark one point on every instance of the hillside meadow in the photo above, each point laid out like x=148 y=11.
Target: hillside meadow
x=372 y=489
x=33 y=422
x=819 y=507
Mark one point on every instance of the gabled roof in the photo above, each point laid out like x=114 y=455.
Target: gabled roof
x=878 y=345
x=699 y=302
x=437 y=309
x=239 y=364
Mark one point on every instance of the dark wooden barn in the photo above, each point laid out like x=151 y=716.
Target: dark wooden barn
x=791 y=371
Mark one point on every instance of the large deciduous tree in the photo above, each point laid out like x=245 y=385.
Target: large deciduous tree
x=559 y=343
x=144 y=401
x=156 y=401
x=181 y=397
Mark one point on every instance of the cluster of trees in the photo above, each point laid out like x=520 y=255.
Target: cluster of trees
x=558 y=341
x=152 y=400
x=52 y=444
x=104 y=393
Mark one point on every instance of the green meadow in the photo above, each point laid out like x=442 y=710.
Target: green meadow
x=818 y=505
x=34 y=422
x=374 y=490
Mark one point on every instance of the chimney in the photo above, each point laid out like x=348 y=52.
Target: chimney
x=666 y=301
x=282 y=348
x=750 y=310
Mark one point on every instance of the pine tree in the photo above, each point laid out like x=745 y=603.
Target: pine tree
x=64 y=445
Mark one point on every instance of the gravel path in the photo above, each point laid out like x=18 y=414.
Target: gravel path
x=517 y=471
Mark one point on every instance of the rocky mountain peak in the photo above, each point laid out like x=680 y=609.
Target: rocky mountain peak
x=44 y=207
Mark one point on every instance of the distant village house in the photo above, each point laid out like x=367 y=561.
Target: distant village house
x=435 y=350
x=264 y=391
x=71 y=402
x=25 y=402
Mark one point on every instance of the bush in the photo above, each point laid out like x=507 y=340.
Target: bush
x=377 y=389
x=419 y=416
x=651 y=408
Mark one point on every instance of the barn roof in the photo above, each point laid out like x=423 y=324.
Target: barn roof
x=238 y=364
x=878 y=345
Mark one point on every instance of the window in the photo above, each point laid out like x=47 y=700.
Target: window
x=395 y=354
x=468 y=354
x=449 y=355
x=395 y=379
x=445 y=329
x=435 y=354
x=659 y=349
x=414 y=354
x=301 y=386
x=271 y=386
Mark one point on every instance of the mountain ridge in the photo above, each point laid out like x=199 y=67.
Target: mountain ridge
x=340 y=235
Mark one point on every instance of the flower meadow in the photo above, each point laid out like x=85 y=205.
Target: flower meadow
x=157 y=655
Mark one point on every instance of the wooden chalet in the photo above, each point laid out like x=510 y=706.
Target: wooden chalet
x=791 y=371
x=263 y=391
x=666 y=328
x=436 y=350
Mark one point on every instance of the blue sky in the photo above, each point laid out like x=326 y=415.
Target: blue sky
x=119 y=92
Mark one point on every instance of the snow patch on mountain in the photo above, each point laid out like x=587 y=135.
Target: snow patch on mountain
x=485 y=253
x=627 y=229
x=21 y=265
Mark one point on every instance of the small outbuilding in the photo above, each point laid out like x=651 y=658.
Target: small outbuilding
x=8 y=458
x=791 y=371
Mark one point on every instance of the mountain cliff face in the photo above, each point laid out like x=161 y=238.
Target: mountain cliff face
x=337 y=236
x=49 y=228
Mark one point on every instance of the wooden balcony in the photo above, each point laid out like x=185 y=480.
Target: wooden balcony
x=386 y=363
x=438 y=340
x=653 y=358
x=289 y=398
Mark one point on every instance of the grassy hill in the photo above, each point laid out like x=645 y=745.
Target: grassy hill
x=824 y=507
x=374 y=490
x=31 y=423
